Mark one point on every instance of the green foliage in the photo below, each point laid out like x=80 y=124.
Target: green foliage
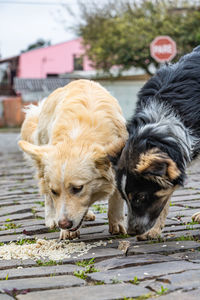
x=144 y=297
x=119 y=33
x=8 y=226
x=25 y=241
x=134 y=281
x=85 y=263
x=99 y=208
x=116 y=280
x=38 y=44
x=162 y=291
x=48 y=263
x=41 y=203
x=83 y=273
x=185 y=238
x=89 y=268
x=80 y=274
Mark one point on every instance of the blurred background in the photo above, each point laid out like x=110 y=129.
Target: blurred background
x=45 y=44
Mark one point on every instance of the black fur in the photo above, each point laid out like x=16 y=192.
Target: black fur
x=167 y=117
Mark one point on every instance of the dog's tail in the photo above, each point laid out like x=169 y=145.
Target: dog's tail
x=29 y=126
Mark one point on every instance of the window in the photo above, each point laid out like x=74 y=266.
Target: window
x=52 y=75
x=78 y=63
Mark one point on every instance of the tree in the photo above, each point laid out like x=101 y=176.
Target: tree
x=38 y=44
x=119 y=33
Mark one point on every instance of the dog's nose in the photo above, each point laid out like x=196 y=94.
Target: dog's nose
x=65 y=224
x=134 y=231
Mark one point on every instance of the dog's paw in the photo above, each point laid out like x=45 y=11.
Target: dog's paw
x=51 y=223
x=196 y=217
x=150 y=235
x=117 y=228
x=68 y=235
x=90 y=216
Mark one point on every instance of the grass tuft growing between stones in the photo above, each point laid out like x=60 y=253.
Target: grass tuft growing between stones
x=8 y=226
x=85 y=263
x=48 y=263
x=89 y=268
x=134 y=281
x=41 y=203
x=162 y=291
x=25 y=241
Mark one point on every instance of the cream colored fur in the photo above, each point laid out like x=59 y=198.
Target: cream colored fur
x=69 y=137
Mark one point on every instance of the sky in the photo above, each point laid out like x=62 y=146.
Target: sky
x=22 y=22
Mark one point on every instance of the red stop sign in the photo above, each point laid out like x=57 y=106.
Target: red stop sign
x=163 y=49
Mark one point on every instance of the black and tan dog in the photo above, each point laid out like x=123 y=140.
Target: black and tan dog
x=164 y=135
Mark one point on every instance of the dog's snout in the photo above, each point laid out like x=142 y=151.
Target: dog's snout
x=134 y=231
x=65 y=224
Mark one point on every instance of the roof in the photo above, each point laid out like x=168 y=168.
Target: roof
x=33 y=85
x=9 y=59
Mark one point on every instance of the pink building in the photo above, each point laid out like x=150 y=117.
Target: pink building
x=53 y=60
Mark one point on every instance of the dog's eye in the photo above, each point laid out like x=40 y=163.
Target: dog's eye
x=77 y=189
x=55 y=193
x=141 y=197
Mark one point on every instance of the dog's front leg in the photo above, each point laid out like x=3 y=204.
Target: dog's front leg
x=156 y=230
x=196 y=217
x=116 y=214
x=68 y=235
x=50 y=213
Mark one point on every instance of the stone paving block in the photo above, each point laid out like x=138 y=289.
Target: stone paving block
x=190 y=204
x=15 y=209
x=97 y=253
x=184 y=213
x=14 y=217
x=133 y=260
x=100 y=292
x=193 y=256
x=183 y=234
x=187 y=280
x=29 y=230
x=14 y=238
x=41 y=283
x=142 y=272
x=180 y=228
x=184 y=192
x=181 y=295
x=166 y=247
x=181 y=198
x=5 y=297
x=15 y=263
x=21 y=272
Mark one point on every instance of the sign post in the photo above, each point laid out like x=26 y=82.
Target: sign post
x=163 y=49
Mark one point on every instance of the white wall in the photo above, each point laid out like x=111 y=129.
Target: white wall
x=125 y=92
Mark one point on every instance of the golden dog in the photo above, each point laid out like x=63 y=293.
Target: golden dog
x=69 y=137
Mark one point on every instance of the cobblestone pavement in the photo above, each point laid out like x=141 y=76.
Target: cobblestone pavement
x=169 y=268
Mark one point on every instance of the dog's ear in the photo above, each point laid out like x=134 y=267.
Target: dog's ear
x=34 y=151
x=103 y=163
x=101 y=159
x=156 y=169
x=157 y=163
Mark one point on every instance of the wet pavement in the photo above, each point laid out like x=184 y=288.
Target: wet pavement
x=168 y=268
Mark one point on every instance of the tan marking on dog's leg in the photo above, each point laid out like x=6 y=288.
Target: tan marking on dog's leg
x=116 y=214
x=50 y=213
x=196 y=217
x=66 y=234
x=90 y=216
x=156 y=230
